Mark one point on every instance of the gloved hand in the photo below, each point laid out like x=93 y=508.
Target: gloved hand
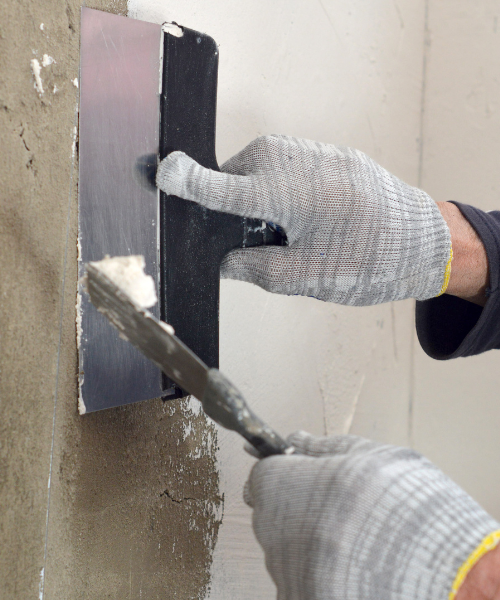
x=357 y=520
x=357 y=234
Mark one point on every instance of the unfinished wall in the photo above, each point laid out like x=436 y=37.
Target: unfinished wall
x=121 y=504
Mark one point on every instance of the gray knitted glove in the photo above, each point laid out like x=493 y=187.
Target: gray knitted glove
x=357 y=234
x=356 y=520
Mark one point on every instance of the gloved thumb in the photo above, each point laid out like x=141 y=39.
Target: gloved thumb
x=179 y=175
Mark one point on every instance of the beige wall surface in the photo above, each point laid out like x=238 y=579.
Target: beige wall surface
x=145 y=501
x=119 y=504
x=457 y=403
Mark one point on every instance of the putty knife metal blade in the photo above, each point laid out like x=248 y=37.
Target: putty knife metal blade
x=220 y=399
x=154 y=338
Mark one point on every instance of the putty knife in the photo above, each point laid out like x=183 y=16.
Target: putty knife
x=145 y=90
x=120 y=298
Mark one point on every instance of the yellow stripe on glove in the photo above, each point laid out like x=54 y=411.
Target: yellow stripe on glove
x=489 y=543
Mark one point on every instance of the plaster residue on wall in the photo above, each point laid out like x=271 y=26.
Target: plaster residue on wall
x=146 y=507
x=36 y=69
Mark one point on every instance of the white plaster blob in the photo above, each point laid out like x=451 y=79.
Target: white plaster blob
x=167 y=327
x=47 y=60
x=82 y=409
x=79 y=331
x=42 y=26
x=36 y=70
x=127 y=273
x=74 y=137
x=41 y=583
x=75 y=82
x=78 y=319
x=81 y=404
x=173 y=29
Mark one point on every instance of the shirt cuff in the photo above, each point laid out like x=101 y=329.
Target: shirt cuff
x=449 y=327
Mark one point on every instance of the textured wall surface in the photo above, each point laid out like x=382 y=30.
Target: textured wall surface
x=120 y=504
x=145 y=501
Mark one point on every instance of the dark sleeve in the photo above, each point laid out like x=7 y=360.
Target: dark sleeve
x=449 y=327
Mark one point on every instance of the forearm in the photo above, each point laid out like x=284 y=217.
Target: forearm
x=469 y=268
x=483 y=581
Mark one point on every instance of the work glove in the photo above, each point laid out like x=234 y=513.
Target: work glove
x=357 y=235
x=351 y=519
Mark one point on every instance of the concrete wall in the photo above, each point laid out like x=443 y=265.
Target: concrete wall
x=123 y=504
x=128 y=503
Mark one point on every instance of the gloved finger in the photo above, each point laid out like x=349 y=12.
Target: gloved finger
x=332 y=445
x=259 y=155
x=179 y=175
x=263 y=474
x=272 y=268
x=247 y=494
x=249 y=449
x=242 y=163
x=275 y=480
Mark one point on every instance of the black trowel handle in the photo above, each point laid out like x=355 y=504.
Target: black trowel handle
x=223 y=403
x=193 y=239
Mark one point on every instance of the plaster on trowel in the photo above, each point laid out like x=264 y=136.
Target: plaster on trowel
x=145 y=90
x=121 y=291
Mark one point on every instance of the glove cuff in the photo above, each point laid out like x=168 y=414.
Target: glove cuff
x=432 y=263
x=452 y=532
x=489 y=543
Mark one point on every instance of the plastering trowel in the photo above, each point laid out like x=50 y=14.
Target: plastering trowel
x=120 y=290
x=145 y=90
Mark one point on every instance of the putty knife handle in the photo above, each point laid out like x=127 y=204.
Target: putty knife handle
x=223 y=403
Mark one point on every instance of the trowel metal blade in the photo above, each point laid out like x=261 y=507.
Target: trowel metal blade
x=126 y=124
x=120 y=74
